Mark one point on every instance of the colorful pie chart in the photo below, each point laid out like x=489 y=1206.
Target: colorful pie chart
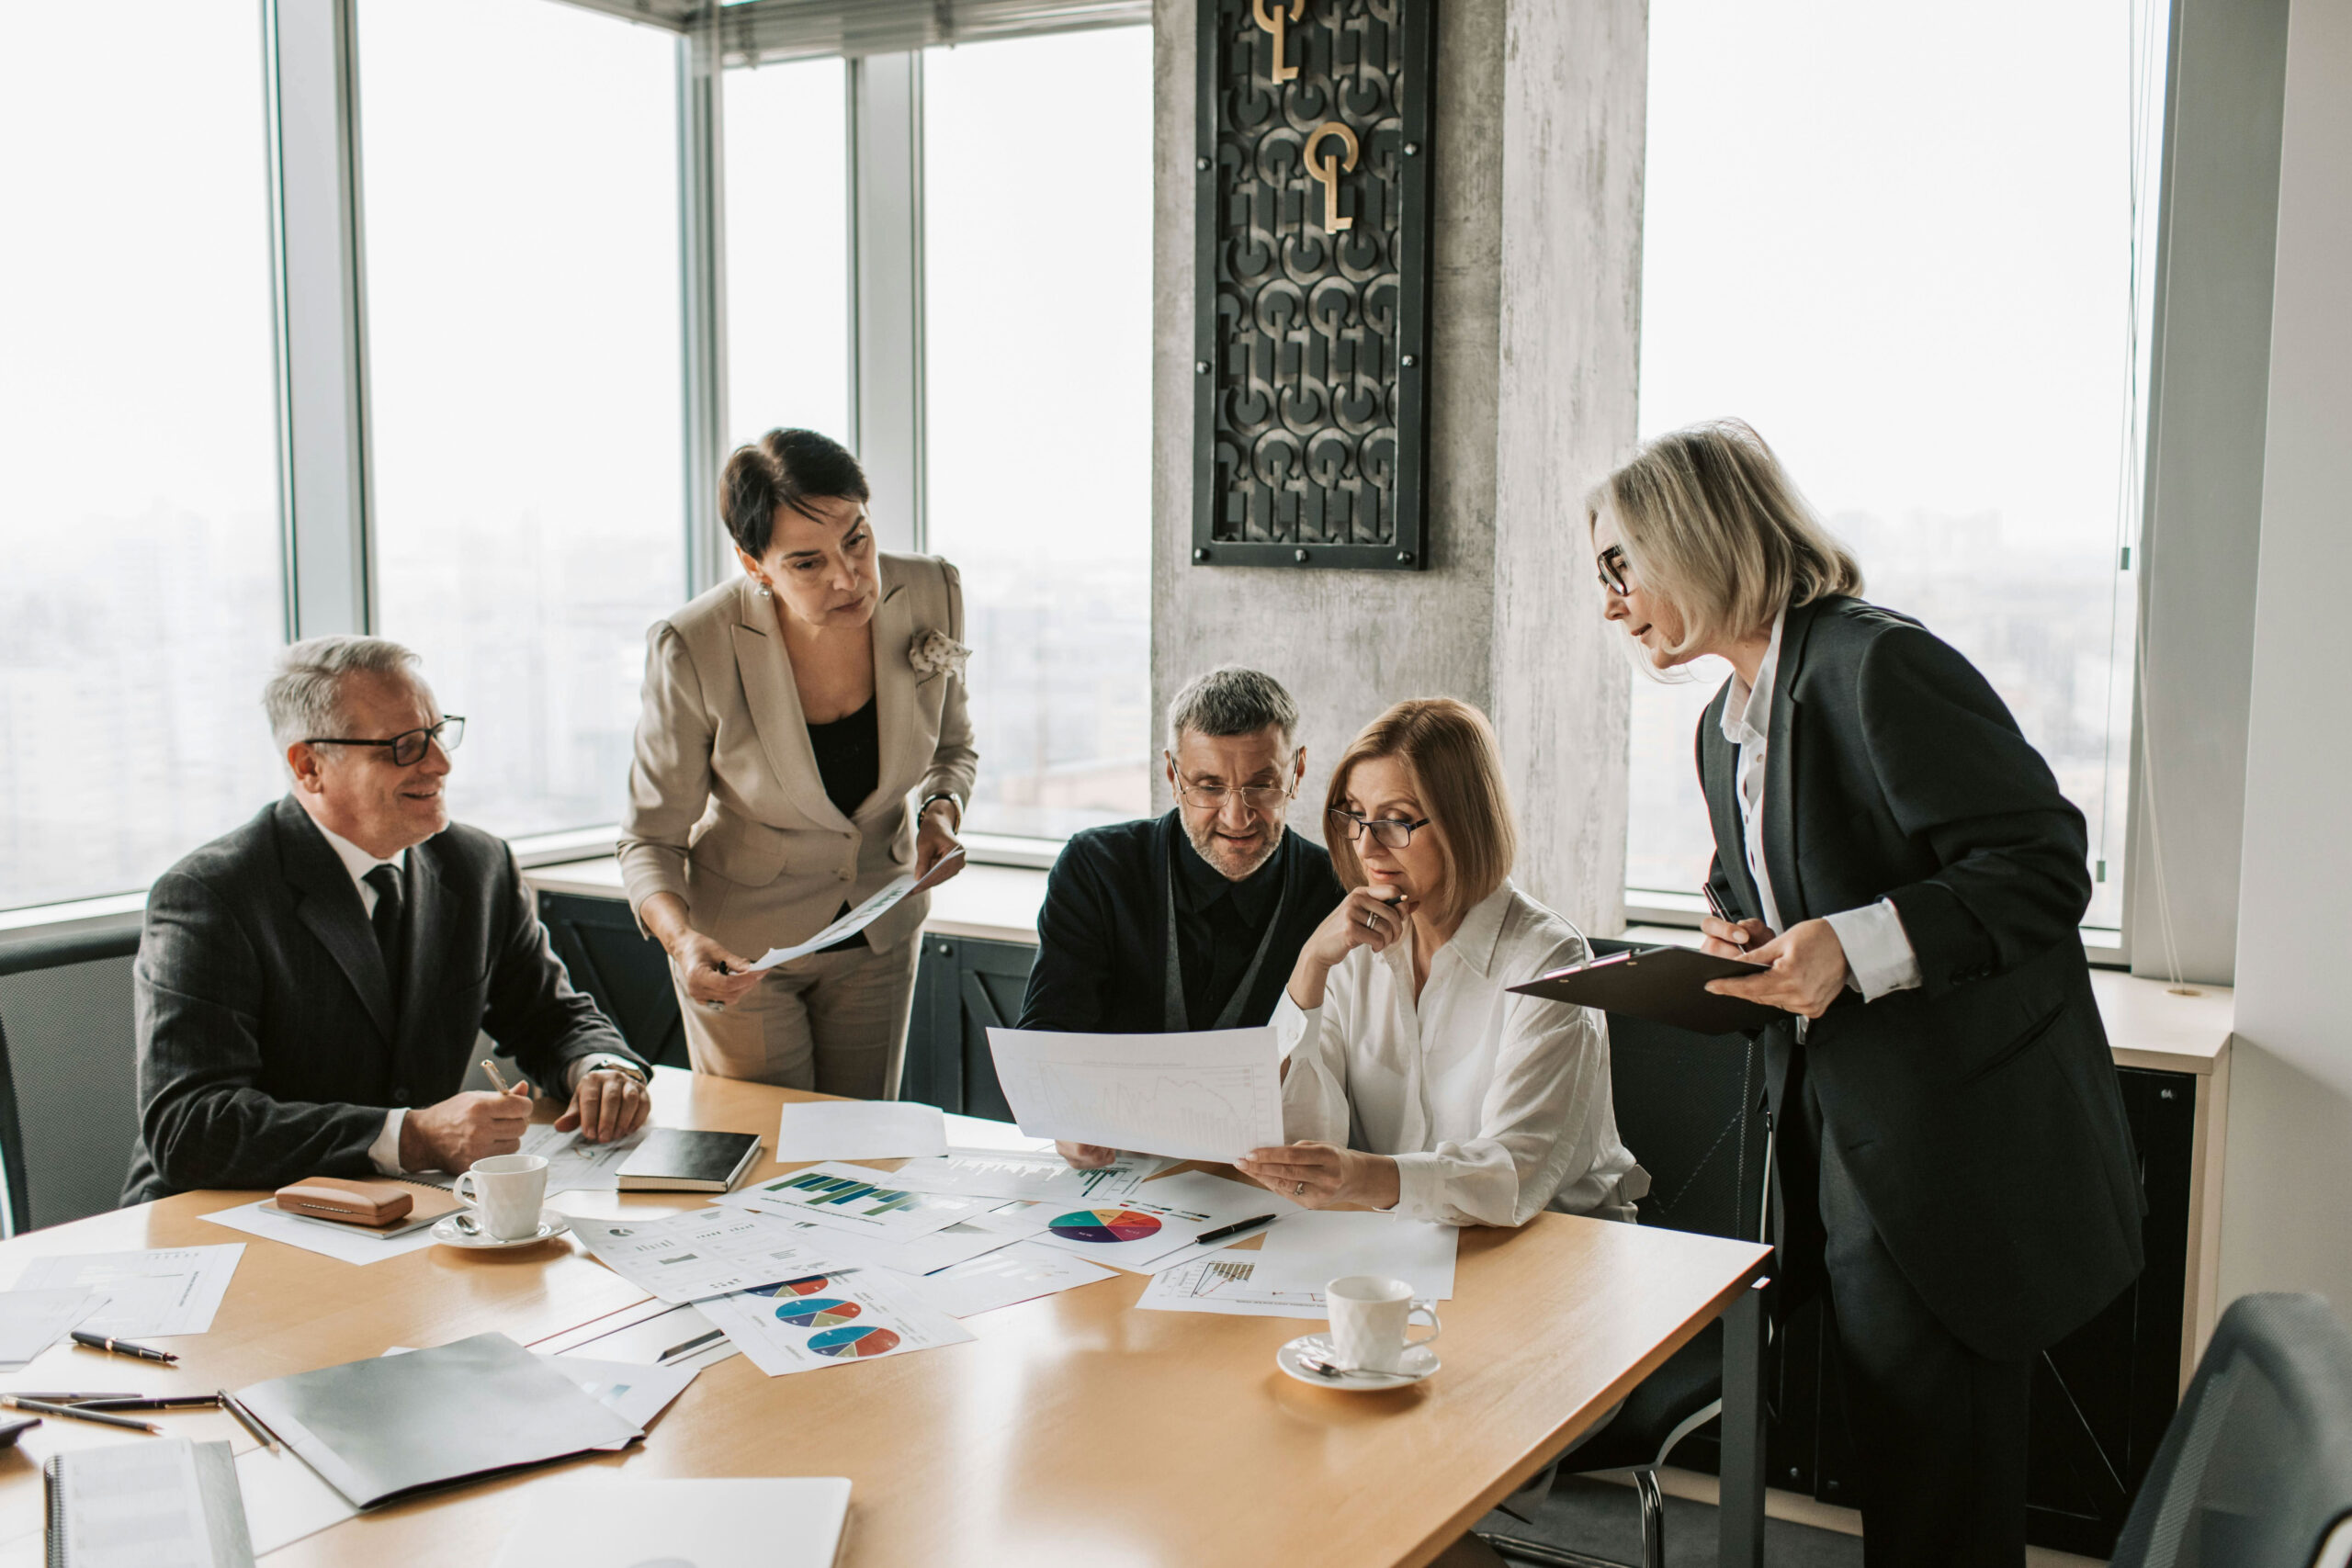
x=819 y=1312
x=1105 y=1225
x=808 y=1285
x=854 y=1341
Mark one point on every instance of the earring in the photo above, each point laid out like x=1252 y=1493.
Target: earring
x=765 y=592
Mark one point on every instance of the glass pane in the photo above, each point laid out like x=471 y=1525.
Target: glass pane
x=140 y=601
x=1931 y=312
x=787 y=250
x=1038 y=325
x=521 y=188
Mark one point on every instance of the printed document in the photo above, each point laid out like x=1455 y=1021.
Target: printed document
x=1213 y=1095
x=1043 y=1177
x=859 y=1128
x=151 y=1294
x=865 y=914
x=823 y=1320
x=1315 y=1247
x=858 y=1198
x=685 y=1257
x=1224 y=1285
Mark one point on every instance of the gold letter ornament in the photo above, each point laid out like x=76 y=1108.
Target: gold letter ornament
x=1275 y=25
x=1326 y=171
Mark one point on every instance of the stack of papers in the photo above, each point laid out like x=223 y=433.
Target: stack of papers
x=32 y=1321
x=709 y=1252
x=347 y=1244
x=824 y=1320
x=151 y=1294
x=1044 y=1178
x=856 y=1199
x=859 y=1128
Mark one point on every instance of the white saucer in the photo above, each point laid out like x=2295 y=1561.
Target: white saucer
x=1418 y=1363
x=552 y=1221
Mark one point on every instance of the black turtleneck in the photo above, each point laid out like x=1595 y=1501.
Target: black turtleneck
x=1218 y=924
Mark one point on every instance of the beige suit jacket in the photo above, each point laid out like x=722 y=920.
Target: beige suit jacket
x=725 y=807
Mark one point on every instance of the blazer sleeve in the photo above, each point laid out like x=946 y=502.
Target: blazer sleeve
x=1074 y=969
x=669 y=775
x=198 y=995
x=953 y=761
x=532 y=1009
x=1960 y=777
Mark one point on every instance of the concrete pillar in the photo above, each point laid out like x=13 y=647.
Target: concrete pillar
x=1536 y=307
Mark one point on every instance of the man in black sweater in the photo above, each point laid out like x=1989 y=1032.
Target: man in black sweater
x=1191 y=920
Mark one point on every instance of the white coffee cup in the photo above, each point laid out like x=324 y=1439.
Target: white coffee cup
x=1369 y=1315
x=506 y=1192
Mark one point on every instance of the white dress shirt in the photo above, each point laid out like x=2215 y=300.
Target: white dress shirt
x=1494 y=1106
x=384 y=1153
x=1879 y=956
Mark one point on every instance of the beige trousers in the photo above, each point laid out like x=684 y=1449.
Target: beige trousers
x=835 y=1023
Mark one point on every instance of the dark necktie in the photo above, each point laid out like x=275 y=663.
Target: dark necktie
x=386 y=881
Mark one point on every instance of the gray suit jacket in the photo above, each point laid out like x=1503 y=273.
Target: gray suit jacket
x=270 y=1044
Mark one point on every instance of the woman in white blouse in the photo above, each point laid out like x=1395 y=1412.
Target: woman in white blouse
x=1412 y=1079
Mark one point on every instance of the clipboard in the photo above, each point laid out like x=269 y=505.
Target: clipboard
x=1665 y=985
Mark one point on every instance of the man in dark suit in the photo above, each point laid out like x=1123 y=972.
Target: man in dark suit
x=311 y=986
x=1191 y=920
x=1955 y=1161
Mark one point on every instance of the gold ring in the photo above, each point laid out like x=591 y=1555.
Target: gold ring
x=1299 y=1189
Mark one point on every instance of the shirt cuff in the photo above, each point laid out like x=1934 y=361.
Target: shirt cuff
x=1879 y=957
x=584 y=1066
x=384 y=1153
x=1419 y=1194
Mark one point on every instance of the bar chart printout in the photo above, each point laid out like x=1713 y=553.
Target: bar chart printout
x=1210 y=1095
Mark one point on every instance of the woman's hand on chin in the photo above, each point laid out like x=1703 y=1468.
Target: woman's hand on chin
x=1321 y=1176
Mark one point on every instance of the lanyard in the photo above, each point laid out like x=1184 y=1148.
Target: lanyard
x=1176 y=1017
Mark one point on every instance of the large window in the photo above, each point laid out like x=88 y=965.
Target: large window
x=520 y=176
x=1037 y=322
x=140 y=600
x=1915 y=253
x=787 y=250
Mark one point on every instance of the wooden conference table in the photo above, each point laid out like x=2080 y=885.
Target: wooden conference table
x=1071 y=1431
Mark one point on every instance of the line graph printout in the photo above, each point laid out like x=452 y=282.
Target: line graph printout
x=1210 y=1095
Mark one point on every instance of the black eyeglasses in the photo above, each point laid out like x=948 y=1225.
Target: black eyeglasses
x=407 y=746
x=1393 y=831
x=1257 y=798
x=1612 y=562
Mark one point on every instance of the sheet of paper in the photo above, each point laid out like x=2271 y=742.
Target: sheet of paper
x=827 y=1319
x=151 y=1294
x=285 y=1499
x=1166 y=1215
x=615 y=1522
x=32 y=1321
x=1311 y=1248
x=986 y=1133
x=135 y=1505
x=575 y=1167
x=1020 y=1272
x=923 y=1253
x=1214 y=1095
x=865 y=914
x=857 y=1198
x=707 y=1252
x=1046 y=1177
x=347 y=1243
x=859 y=1128
x=662 y=1336
x=1223 y=1285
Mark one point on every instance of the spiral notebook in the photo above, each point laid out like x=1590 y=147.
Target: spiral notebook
x=165 y=1503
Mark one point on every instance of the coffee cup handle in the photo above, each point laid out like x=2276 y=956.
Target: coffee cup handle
x=463 y=1193
x=1436 y=1328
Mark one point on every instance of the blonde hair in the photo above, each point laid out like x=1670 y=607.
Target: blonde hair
x=1712 y=524
x=1449 y=750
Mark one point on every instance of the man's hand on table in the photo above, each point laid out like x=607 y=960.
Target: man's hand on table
x=464 y=1128
x=606 y=1105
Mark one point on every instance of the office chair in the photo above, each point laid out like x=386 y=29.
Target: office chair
x=2256 y=1469
x=14 y=1204
x=72 y=1071
x=1691 y=1109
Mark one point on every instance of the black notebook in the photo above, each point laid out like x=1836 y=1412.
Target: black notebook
x=145 y=1500
x=1666 y=985
x=673 y=1161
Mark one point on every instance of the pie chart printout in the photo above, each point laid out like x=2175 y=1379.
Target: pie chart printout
x=1105 y=1225
x=820 y=1312
x=853 y=1342
x=808 y=1285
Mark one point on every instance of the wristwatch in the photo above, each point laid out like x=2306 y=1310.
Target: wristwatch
x=950 y=800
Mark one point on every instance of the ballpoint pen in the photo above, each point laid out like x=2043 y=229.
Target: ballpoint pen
x=158 y=1402
x=122 y=1348
x=1235 y=1229
x=75 y=1412
x=245 y=1419
x=497 y=1080
x=66 y=1396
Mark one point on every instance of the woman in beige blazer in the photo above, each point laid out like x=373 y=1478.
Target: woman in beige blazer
x=791 y=717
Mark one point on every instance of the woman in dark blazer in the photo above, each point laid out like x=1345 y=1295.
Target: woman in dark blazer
x=1954 y=1167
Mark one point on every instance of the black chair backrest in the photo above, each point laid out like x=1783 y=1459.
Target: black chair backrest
x=71 y=1064
x=621 y=968
x=12 y=1147
x=1691 y=1108
x=2255 y=1470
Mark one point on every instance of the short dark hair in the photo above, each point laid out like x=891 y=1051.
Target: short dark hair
x=784 y=468
x=1231 y=700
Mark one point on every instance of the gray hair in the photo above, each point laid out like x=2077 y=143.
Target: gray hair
x=1231 y=700
x=304 y=696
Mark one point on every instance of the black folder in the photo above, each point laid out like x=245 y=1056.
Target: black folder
x=1666 y=985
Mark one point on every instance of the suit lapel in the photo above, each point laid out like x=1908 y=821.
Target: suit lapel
x=1718 y=770
x=898 y=714
x=1780 y=770
x=328 y=903
x=774 y=701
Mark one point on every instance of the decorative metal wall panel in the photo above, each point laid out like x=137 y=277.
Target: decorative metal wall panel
x=1310 y=325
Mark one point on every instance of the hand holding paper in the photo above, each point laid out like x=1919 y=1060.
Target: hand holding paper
x=865 y=914
x=1213 y=1095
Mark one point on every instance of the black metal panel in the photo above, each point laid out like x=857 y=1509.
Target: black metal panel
x=1310 y=310
x=625 y=970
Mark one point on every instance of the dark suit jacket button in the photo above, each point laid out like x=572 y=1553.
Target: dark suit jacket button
x=400 y=1097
